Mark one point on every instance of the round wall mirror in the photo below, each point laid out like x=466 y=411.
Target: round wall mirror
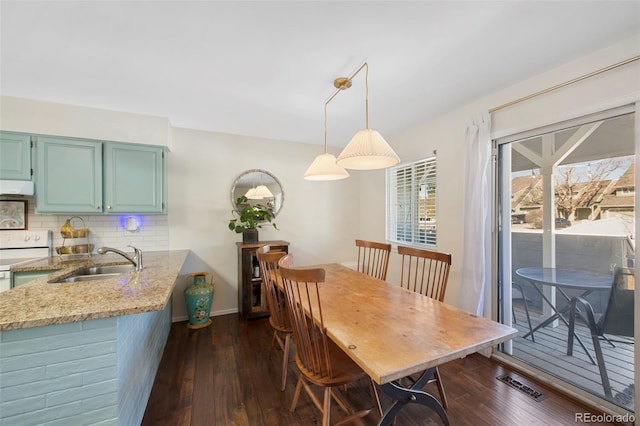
x=260 y=187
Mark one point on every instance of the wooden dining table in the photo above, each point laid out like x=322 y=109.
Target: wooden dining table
x=392 y=333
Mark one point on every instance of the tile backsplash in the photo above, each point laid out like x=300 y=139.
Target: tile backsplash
x=105 y=230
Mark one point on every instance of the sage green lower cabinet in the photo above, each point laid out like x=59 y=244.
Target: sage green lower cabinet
x=23 y=277
x=86 y=176
x=68 y=175
x=15 y=156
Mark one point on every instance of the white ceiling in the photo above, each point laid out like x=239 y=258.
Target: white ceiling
x=266 y=68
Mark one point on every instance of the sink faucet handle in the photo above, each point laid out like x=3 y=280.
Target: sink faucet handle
x=137 y=257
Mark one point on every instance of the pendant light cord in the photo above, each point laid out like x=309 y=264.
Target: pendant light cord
x=366 y=96
x=325 y=127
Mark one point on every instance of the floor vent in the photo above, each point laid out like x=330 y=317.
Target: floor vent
x=517 y=384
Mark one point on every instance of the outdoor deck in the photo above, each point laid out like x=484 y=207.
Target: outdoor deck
x=549 y=353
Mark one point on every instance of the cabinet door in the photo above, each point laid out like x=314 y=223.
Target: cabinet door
x=133 y=178
x=15 y=156
x=68 y=175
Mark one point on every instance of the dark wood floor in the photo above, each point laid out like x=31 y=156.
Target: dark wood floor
x=221 y=375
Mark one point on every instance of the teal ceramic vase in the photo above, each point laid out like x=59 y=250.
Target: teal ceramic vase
x=199 y=296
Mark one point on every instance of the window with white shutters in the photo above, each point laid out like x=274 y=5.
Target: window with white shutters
x=411 y=203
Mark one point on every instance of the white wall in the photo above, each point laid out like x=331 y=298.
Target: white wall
x=47 y=118
x=319 y=219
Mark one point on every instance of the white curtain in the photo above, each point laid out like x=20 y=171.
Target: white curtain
x=476 y=251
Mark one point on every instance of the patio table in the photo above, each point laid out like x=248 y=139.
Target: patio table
x=563 y=280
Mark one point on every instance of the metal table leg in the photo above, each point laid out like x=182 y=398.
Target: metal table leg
x=558 y=315
x=413 y=395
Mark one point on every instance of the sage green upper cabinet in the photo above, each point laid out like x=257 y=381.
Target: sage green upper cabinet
x=15 y=156
x=133 y=178
x=68 y=175
x=85 y=176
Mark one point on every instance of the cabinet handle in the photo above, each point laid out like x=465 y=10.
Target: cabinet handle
x=97 y=207
x=108 y=207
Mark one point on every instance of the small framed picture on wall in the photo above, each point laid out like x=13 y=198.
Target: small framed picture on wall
x=13 y=214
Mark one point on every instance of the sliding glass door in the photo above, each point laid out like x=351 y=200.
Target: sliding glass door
x=566 y=233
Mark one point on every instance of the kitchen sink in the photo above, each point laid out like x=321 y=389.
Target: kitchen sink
x=74 y=278
x=91 y=273
x=108 y=269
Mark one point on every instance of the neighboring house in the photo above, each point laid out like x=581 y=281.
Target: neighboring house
x=589 y=200
x=620 y=201
x=526 y=194
x=586 y=197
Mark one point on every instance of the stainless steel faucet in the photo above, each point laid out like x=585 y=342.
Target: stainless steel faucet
x=136 y=260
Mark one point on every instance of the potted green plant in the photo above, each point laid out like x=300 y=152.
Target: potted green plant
x=249 y=218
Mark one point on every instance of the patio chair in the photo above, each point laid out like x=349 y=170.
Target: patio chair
x=617 y=319
x=519 y=294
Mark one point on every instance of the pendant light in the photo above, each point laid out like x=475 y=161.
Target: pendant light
x=367 y=150
x=324 y=167
x=258 y=192
x=251 y=194
x=263 y=192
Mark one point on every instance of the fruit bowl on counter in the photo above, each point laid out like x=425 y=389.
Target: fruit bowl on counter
x=75 y=249
x=76 y=235
x=68 y=231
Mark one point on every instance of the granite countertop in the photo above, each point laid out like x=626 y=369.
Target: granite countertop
x=39 y=303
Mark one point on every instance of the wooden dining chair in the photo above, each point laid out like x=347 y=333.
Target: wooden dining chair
x=373 y=258
x=276 y=302
x=320 y=361
x=426 y=272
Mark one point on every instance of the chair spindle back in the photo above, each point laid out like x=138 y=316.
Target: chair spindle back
x=268 y=261
x=305 y=310
x=425 y=271
x=373 y=258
